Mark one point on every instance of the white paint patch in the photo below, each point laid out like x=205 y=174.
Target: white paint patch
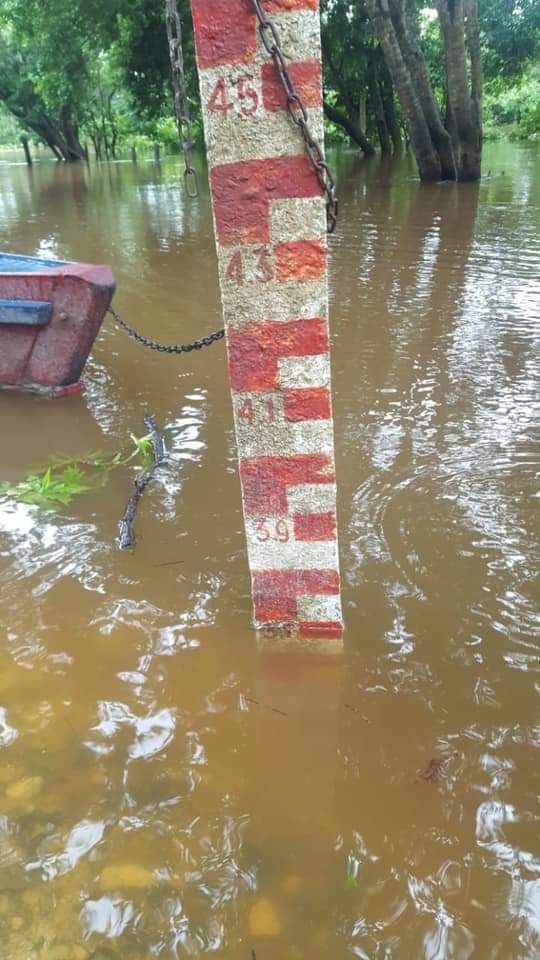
x=319 y=608
x=312 y=498
x=299 y=31
x=273 y=301
x=270 y=135
x=292 y=555
x=285 y=439
x=303 y=372
x=302 y=218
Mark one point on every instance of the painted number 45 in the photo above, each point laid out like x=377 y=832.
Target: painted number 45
x=247 y=98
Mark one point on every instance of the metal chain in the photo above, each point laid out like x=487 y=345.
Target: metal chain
x=181 y=105
x=296 y=109
x=165 y=347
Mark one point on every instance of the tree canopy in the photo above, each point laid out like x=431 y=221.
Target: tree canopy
x=79 y=71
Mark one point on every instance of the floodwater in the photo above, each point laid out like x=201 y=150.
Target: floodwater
x=164 y=792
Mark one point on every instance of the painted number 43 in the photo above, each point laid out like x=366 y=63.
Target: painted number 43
x=244 y=96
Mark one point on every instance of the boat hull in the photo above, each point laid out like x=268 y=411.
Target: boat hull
x=50 y=315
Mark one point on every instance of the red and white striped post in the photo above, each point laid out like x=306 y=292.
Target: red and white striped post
x=270 y=229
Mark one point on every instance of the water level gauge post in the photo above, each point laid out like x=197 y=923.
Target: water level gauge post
x=270 y=221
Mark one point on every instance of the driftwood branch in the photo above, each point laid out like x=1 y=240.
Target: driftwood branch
x=126 y=534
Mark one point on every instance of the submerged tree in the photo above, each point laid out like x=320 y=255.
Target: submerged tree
x=19 y=94
x=345 y=46
x=92 y=68
x=359 y=93
x=46 y=50
x=448 y=149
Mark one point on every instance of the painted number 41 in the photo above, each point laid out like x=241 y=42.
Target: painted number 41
x=244 y=93
x=264 y=413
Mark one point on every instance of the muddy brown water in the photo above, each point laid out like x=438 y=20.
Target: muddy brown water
x=165 y=793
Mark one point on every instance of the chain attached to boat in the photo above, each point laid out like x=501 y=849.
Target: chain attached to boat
x=181 y=103
x=167 y=347
x=296 y=109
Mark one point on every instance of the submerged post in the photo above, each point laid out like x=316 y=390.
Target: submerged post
x=270 y=228
x=26 y=149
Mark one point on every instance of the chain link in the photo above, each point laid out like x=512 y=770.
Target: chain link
x=296 y=109
x=181 y=105
x=167 y=347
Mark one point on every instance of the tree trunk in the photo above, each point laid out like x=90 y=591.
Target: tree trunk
x=362 y=110
x=55 y=150
x=349 y=121
x=104 y=138
x=406 y=27
x=74 y=149
x=427 y=157
x=392 y=122
x=464 y=105
x=378 y=111
x=351 y=128
x=47 y=130
x=30 y=110
x=96 y=144
x=472 y=33
x=26 y=149
x=112 y=124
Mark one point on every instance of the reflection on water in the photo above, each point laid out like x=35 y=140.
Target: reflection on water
x=163 y=792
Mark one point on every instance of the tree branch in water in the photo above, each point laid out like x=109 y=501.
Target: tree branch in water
x=126 y=534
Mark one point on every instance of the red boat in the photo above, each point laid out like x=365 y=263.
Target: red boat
x=50 y=315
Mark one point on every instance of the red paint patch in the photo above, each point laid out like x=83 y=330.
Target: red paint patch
x=320 y=631
x=254 y=351
x=243 y=192
x=306 y=78
x=300 y=260
x=275 y=592
x=274 y=596
x=313 y=404
x=265 y=480
x=281 y=6
x=315 y=526
x=225 y=31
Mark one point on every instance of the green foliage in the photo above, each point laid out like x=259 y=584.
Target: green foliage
x=49 y=489
x=433 y=50
x=10 y=131
x=142 y=51
x=515 y=107
x=351 y=875
x=143 y=447
x=103 y=65
x=65 y=478
x=510 y=36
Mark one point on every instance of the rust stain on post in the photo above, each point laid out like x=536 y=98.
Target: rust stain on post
x=270 y=228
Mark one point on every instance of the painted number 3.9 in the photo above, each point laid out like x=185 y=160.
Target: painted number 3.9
x=266 y=530
x=245 y=94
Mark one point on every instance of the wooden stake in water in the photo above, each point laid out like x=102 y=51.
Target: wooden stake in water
x=270 y=228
